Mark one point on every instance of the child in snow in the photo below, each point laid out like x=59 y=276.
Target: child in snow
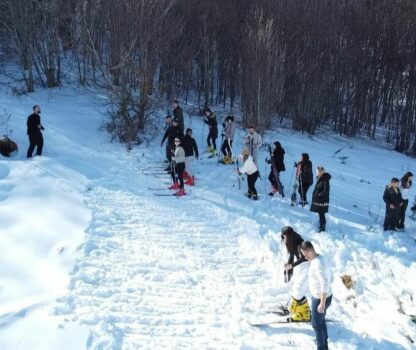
x=211 y=120
x=299 y=306
x=405 y=185
x=393 y=199
x=179 y=159
x=252 y=173
x=228 y=134
x=320 y=196
x=277 y=165
x=191 y=149
x=304 y=177
x=253 y=141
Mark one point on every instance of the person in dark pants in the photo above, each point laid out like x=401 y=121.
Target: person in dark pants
x=292 y=241
x=276 y=166
x=171 y=133
x=250 y=169
x=393 y=199
x=226 y=147
x=405 y=185
x=211 y=120
x=320 y=196
x=34 y=131
x=320 y=288
x=177 y=174
x=304 y=177
x=178 y=115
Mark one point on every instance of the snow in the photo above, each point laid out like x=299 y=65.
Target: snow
x=91 y=259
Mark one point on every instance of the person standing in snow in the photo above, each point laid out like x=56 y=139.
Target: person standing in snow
x=178 y=115
x=277 y=165
x=226 y=147
x=393 y=199
x=191 y=150
x=177 y=172
x=211 y=120
x=299 y=306
x=304 y=176
x=319 y=280
x=171 y=133
x=250 y=169
x=320 y=196
x=34 y=131
x=253 y=142
x=405 y=185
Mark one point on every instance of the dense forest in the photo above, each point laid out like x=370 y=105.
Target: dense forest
x=345 y=65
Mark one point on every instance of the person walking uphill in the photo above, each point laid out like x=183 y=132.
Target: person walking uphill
x=178 y=115
x=252 y=173
x=304 y=177
x=276 y=166
x=393 y=199
x=211 y=120
x=253 y=142
x=320 y=196
x=405 y=185
x=34 y=131
x=319 y=280
x=191 y=150
x=226 y=147
x=177 y=173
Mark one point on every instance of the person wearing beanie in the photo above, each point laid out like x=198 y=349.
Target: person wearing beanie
x=405 y=185
x=393 y=199
x=252 y=172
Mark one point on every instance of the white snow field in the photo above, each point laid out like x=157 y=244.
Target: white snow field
x=90 y=258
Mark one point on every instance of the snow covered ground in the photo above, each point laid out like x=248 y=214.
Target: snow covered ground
x=92 y=259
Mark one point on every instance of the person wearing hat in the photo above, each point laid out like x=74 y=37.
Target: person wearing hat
x=277 y=165
x=178 y=158
x=226 y=147
x=171 y=133
x=34 y=131
x=178 y=115
x=211 y=120
x=252 y=172
x=191 y=150
x=393 y=199
x=253 y=142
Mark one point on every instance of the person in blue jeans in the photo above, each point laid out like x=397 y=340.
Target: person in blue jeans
x=319 y=279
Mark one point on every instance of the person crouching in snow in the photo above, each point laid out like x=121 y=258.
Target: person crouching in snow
x=179 y=159
x=299 y=306
x=252 y=172
x=191 y=150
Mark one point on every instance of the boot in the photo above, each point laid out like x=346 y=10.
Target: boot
x=175 y=186
x=300 y=310
x=190 y=181
x=181 y=192
x=213 y=153
x=210 y=149
x=185 y=175
x=273 y=191
x=255 y=197
x=225 y=159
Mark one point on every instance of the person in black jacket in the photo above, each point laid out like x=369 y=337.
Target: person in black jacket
x=304 y=177
x=393 y=199
x=277 y=165
x=191 y=150
x=171 y=133
x=292 y=241
x=211 y=120
x=405 y=185
x=178 y=115
x=320 y=196
x=34 y=131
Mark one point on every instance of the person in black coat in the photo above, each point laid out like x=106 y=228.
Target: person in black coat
x=178 y=115
x=292 y=241
x=393 y=199
x=304 y=177
x=211 y=120
x=320 y=196
x=171 y=133
x=405 y=186
x=191 y=149
x=277 y=165
x=34 y=131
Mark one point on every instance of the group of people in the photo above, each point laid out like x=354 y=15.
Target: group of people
x=311 y=276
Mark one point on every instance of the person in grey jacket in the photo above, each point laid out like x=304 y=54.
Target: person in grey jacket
x=226 y=148
x=253 y=142
x=177 y=172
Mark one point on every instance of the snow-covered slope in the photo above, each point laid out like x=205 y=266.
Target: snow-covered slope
x=91 y=258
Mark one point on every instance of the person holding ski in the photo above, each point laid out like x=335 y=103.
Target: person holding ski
x=405 y=185
x=393 y=199
x=276 y=161
x=228 y=136
x=171 y=133
x=253 y=142
x=178 y=115
x=252 y=172
x=211 y=120
x=319 y=278
x=191 y=150
x=320 y=196
x=178 y=158
x=299 y=306
x=304 y=177
x=34 y=131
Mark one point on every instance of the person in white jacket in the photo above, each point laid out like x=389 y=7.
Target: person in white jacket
x=252 y=172
x=405 y=185
x=319 y=279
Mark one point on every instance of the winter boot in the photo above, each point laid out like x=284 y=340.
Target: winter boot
x=181 y=192
x=255 y=197
x=213 y=153
x=210 y=149
x=300 y=310
x=190 y=181
x=273 y=191
x=185 y=175
x=175 y=186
